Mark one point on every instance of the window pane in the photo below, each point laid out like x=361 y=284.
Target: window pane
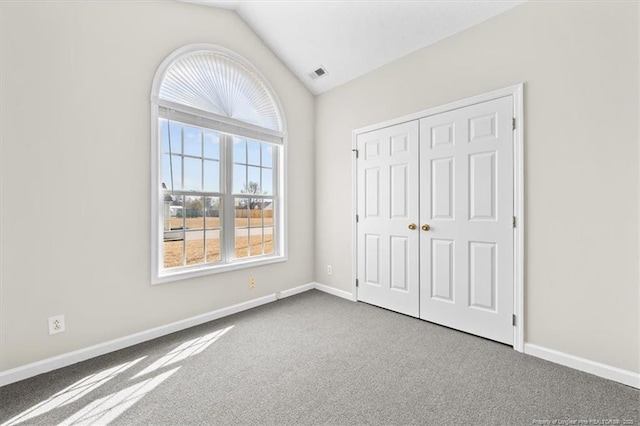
x=192 y=174
x=173 y=233
x=195 y=247
x=164 y=135
x=241 y=243
x=211 y=176
x=168 y=165
x=267 y=181
x=171 y=213
x=260 y=233
x=253 y=152
x=212 y=212
x=253 y=186
x=241 y=214
x=176 y=137
x=268 y=212
x=212 y=145
x=239 y=178
x=174 y=213
x=192 y=141
x=173 y=252
x=255 y=241
x=269 y=246
x=239 y=150
x=194 y=212
x=213 y=246
x=267 y=155
x=194 y=236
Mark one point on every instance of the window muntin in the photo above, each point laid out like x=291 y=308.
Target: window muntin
x=194 y=194
x=254 y=200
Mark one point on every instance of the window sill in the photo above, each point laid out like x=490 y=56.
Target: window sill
x=199 y=271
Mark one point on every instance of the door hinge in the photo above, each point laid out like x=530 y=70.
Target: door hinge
x=357 y=283
x=357 y=218
x=513 y=123
x=514 y=221
x=356 y=151
x=513 y=320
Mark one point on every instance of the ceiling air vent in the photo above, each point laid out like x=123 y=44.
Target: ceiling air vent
x=315 y=74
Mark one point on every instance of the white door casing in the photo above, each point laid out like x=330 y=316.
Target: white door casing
x=387 y=204
x=467 y=199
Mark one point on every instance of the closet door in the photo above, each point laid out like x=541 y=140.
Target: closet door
x=387 y=230
x=466 y=210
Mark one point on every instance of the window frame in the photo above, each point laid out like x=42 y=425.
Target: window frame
x=227 y=129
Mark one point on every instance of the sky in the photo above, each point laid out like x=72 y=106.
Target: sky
x=198 y=152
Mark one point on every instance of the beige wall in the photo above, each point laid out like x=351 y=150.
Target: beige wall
x=76 y=79
x=579 y=63
x=75 y=85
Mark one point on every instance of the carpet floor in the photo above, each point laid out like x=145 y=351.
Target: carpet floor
x=318 y=359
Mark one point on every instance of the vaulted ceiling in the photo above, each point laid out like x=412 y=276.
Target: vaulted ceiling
x=350 y=38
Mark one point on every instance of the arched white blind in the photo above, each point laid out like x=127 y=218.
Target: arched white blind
x=220 y=85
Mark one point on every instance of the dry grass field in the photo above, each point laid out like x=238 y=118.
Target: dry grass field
x=195 y=249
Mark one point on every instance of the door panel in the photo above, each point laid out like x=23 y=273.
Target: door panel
x=482 y=275
x=482 y=186
x=442 y=268
x=466 y=197
x=400 y=263
x=442 y=188
x=387 y=204
x=372 y=259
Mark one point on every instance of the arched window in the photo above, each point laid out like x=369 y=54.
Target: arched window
x=218 y=136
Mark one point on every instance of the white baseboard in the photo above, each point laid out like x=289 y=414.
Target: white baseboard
x=297 y=290
x=334 y=291
x=619 y=375
x=53 y=363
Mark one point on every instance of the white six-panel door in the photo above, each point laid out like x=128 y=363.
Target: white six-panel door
x=466 y=199
x=451 y=175
x=387 y=206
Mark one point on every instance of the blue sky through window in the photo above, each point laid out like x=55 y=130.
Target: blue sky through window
x=196 y=160
x=192 y=141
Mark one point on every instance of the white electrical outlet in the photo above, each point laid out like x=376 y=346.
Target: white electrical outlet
x=329 y=270
x=56 y=324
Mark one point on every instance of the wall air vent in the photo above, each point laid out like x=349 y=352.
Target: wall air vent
x=317 y=73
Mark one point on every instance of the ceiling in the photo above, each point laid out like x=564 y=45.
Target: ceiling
x=351 y=38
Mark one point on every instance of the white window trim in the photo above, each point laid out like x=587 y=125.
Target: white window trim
x=222 y=124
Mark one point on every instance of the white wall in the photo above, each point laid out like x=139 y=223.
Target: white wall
x=579 y=63
x=76 y=79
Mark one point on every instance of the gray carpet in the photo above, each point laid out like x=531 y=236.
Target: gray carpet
x=318 y=359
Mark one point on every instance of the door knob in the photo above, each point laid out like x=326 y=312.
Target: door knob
x=426 y=227
x=412 y=226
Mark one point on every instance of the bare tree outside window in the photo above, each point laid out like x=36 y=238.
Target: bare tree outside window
x=254 y=188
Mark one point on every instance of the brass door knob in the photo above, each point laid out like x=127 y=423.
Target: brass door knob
x=412 y=226
x=426 y=227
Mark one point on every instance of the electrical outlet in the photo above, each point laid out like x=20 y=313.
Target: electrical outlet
x=56 y=324
x=329 y=270
x=252 y=283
